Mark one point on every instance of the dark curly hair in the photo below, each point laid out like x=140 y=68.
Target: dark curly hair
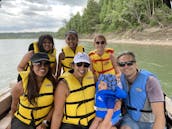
x=41 y=40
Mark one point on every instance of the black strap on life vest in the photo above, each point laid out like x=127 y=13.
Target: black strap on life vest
x=35 y=108
x=80 y=116
x=69 y=57
x=79 y=104
x=82 y=88
x=32 y=119
x=43 y=94
x=141 y=110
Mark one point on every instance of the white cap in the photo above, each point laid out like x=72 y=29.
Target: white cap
x=81 y=57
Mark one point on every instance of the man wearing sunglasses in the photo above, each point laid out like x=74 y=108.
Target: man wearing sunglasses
x=145 y=102
x=74 y=96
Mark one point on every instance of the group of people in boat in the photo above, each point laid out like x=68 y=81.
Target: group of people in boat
x=98 y=90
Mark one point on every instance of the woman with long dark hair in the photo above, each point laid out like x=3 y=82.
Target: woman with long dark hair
x=32 y=97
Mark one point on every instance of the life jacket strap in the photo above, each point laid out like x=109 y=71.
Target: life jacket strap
x=80 y=116
x=31 y=116
x=141 y=110
x=105 y=70
x=100 y=109
x=82 y=88
x=79 y=104
x=35 y=108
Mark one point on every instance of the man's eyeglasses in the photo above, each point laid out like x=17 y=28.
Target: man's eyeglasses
x=41 y=63
x=129 y=63
x=86 y=65
x=100 y=42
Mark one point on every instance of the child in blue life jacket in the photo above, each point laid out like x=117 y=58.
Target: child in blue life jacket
x=108 y=95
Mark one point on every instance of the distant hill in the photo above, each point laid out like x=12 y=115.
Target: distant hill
x=24 y=35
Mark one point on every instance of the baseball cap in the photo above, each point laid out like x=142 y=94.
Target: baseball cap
x=81 y=57
x=40 y=56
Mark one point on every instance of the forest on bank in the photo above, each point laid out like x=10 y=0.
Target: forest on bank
x=114 y=16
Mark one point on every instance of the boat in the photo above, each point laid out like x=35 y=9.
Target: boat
x=6 y=99
x=5 y=104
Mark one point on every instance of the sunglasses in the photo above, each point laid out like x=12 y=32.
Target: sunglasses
x=100 y=42
x=86 y=65
x=39 y=64
x=129 y=63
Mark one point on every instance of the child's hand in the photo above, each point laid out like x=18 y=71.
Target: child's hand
x=62 y=56
x=118 y=105
x=118 y=77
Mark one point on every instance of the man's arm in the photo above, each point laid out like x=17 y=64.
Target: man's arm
x=158 y=111
x=156 y=98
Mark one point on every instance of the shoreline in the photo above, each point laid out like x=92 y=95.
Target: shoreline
x=138 y=42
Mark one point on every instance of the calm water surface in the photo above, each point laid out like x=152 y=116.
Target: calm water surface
x=156 y=59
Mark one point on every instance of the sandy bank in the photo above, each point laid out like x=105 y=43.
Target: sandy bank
x=148 y=36
x=132 y=41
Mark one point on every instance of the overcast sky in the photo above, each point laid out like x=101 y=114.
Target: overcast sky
x=37 y=15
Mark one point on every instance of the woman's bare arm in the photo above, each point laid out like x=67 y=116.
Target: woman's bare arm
x=24 y=61
x=61 y=94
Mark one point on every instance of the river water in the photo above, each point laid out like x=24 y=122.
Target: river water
x=156 y=59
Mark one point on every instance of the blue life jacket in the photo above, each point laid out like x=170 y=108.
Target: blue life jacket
x=105 y=99
x=136 y=94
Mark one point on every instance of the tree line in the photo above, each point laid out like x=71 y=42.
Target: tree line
x=118 y=15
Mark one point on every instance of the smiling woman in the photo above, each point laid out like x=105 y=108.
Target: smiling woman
x=77 y=86
x=29 y=108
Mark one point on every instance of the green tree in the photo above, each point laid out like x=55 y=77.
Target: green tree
x=91 y=16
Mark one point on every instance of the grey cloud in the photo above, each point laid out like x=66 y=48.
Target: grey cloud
x=74 y=2
x=66 y=2
x=35 y=15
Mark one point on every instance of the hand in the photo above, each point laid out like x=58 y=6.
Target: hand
x=41 y=126
x=9 y=126
x=118 y=105
x=62 y=56
x=118 y=77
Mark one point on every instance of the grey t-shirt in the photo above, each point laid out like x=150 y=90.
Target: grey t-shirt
x=154 y=94
x=154 y=91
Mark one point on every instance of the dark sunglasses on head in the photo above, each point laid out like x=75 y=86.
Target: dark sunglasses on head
x=40 y=63
x=100 y=42
x=86 y=65
x=129 y=63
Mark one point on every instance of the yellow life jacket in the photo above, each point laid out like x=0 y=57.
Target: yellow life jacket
x=28 y=112
x=52 y=56
x=69 y=55
x=102 y=64
x=79 y=105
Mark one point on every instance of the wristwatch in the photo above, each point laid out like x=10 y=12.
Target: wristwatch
x=46 y=123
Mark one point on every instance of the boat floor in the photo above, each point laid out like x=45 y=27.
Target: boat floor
x=5 y=121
